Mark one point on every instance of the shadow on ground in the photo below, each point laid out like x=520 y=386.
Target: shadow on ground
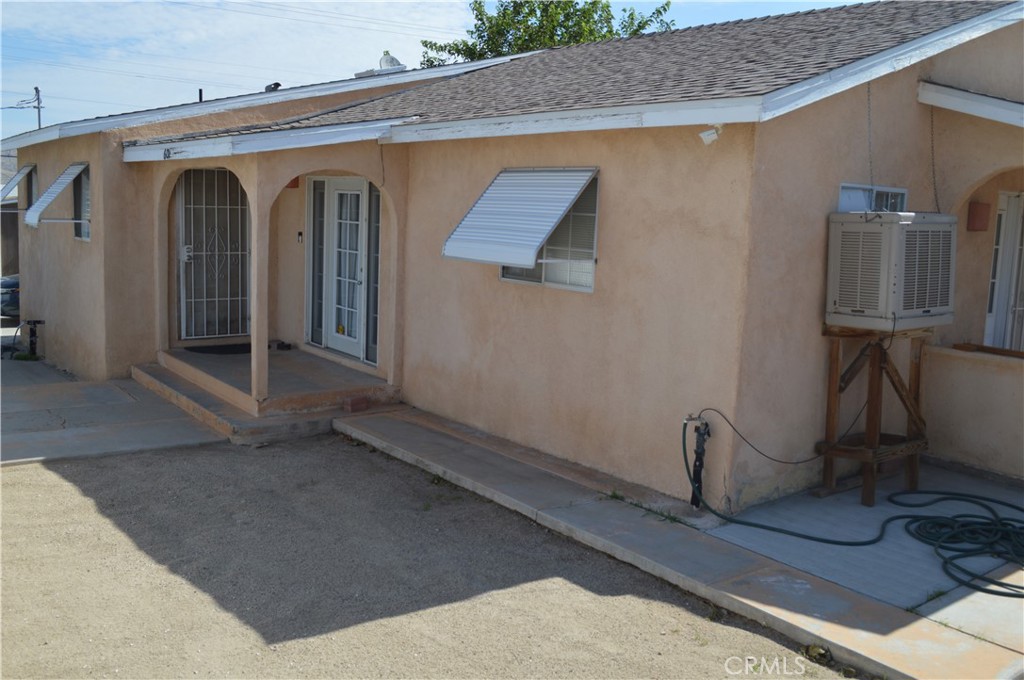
x=319 y=535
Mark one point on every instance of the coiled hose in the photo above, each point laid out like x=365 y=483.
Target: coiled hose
x=953 y=538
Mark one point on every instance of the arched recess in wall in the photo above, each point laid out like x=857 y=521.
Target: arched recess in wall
x=329 y=229
x=990 y=249
x=206 y=268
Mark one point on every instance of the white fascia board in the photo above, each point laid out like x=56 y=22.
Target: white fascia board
x=971 y=103
x=84 y=127
x=895 y=59
x=710 y=112
x=275 y=140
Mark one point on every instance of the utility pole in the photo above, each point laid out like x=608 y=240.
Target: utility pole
x=35 y=103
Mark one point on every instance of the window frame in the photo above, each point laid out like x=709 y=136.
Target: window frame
x=81 y=191
x=874 y=191
x=31 y=187
x=542 y=259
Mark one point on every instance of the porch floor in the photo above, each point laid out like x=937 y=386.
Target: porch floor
x=290 y=372
x=305 y=392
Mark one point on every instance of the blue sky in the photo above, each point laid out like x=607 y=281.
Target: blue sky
x=98 y=58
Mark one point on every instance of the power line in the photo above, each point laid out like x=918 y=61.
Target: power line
x=131 y=74
x=75 y=99
x=357 y=17
x=221 y=8
x=129 y=62
x=100 y=47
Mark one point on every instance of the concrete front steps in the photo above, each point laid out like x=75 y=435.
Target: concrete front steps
x=242 y=427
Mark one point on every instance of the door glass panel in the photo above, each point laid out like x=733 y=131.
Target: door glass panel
x=316 y=302
x=347 y=277
x=373 y=274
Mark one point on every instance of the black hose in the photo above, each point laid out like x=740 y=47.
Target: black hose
x=962 y=535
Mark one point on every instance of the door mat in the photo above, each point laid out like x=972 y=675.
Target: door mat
x=239 y=348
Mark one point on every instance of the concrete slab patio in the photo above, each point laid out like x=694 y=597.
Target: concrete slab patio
x=46 y=414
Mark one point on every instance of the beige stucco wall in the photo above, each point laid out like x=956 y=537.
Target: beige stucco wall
x=801 y=159
x=974 y=261
x=709 y=289
x=602 y=378
x=63 y=280
x=974 y=403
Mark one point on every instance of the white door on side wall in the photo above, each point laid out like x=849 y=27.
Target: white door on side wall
x=1004 y=323
x=346 y=265
x=342 y=265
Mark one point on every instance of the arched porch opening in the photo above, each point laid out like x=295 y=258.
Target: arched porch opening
x=211 y=247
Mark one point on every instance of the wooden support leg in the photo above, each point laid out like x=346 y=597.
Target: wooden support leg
x=915 y=426
x=872 y=422
x=835 y=357
x=869 y=476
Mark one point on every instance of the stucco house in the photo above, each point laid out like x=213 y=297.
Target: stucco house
x=571 y=249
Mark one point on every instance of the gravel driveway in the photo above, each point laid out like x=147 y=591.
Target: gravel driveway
x=322 y=558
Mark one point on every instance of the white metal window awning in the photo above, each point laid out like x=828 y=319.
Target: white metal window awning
x=33 y=215
x=18 y=176
x=515 y=215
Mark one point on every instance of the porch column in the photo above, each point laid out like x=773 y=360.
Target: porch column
x=259 y=294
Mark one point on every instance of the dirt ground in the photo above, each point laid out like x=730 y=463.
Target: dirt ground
x=320 y=558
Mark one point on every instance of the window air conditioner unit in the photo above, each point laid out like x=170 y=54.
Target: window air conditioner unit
x=890 y=269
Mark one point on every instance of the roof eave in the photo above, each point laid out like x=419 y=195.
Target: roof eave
x=182 y=111
x=274 y=140
x=971 y=103
x=889 y=61
x=672 y=114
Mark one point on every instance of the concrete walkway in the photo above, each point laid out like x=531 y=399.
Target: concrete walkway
x=47 y=414
x=880 y=638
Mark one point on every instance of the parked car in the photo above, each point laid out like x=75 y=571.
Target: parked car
x=10 y=296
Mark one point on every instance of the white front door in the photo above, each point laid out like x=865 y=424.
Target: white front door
x=345 y=268
x=1004 y=323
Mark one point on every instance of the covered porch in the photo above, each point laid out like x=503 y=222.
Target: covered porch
x=304 y=391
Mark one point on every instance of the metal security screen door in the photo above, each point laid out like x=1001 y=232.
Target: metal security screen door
x=213 y=255
x=344 y=227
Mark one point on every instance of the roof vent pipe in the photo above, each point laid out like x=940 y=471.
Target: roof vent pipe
x=388 y=61
x=388 y=64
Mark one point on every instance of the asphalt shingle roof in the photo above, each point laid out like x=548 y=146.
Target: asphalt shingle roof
x=715 y=61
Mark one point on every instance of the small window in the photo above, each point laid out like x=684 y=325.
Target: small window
x=568 y=257
x=861 y=198
x=82 y=206
x=31 y=188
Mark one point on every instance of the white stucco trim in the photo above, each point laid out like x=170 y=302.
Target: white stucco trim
x=256 y=142
x=859 y=72
x=971 y=103
x=84 y=127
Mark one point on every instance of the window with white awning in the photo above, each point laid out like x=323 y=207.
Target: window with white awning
x=514 y=217
x=34 y=214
